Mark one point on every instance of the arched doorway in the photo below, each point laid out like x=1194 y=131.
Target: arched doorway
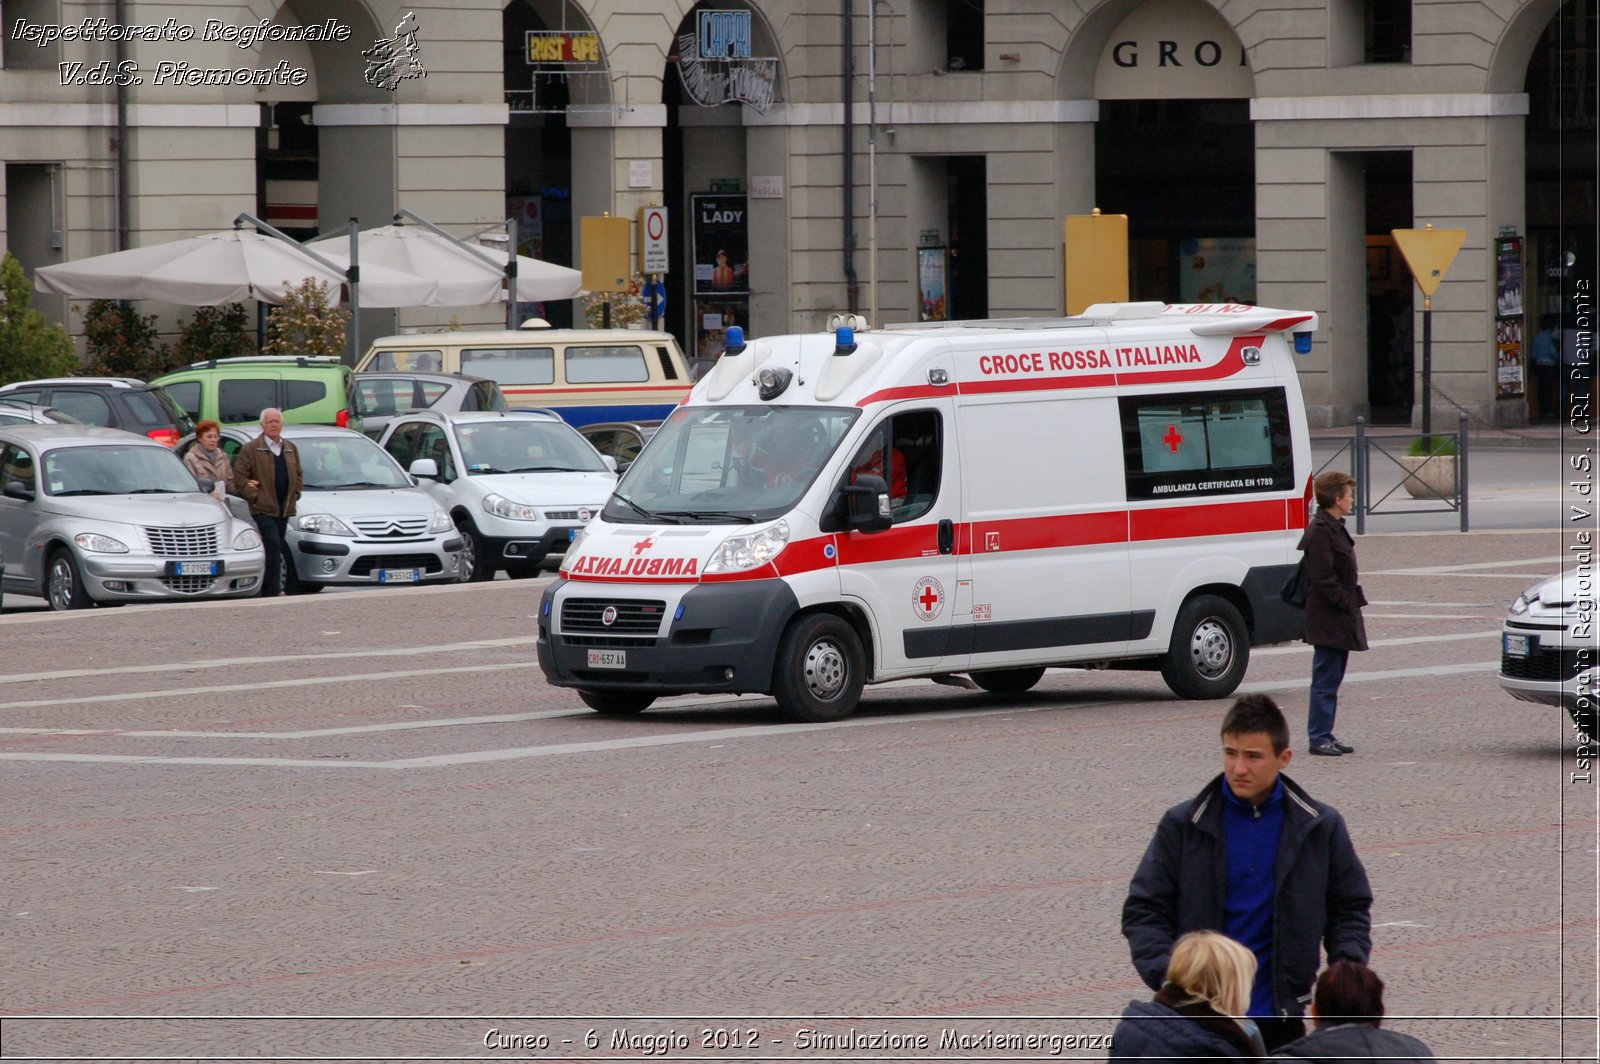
x=553 y=65
x=727 y=238
x=1175 y=152
x=1559 y=256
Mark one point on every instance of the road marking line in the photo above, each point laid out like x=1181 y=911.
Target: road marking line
x=681 y=738
x=1460 y=569
x=184 y=666
x=1374 y=644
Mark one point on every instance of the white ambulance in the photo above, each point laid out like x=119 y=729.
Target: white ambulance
x=991 y=498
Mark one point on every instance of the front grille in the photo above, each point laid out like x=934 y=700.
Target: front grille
x=612 y=641
x=182 y=542
x=569 y=515
x=428 y=563
x=188 y=585
x=1551 y=664
x=391 y=527
x=634 y=616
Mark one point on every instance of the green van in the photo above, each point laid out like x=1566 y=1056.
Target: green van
x=234 y=391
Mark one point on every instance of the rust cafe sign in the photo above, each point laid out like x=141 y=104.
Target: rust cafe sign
x=546 y=47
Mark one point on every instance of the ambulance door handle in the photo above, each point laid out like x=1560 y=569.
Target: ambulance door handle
x=947 y=536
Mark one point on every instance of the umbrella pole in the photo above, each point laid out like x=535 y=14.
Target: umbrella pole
x=511 y=274
x=353 y=275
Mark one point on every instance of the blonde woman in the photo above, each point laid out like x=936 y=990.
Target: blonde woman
x=1194 y=1013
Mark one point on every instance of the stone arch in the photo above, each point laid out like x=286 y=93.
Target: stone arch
x=1080 y=61
x=1508 y=69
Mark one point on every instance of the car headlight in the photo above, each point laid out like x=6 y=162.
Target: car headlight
x=749 y=550
x=93 y=541
x=322 y=525
x=572 y=549
x=248 y=539
x=1526 y=599
x=501 y=506
x=441 y=523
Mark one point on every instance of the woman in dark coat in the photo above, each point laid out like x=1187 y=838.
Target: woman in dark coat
x=1208 y=984
x=1333 y=606
x=1348 y=1011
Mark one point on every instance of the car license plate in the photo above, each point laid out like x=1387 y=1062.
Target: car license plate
x=608 y=659
x=572 y=534
x=1516 y=646
x=197 y=568
x=399 y=576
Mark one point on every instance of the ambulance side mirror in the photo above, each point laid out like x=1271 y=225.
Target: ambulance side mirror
x=867 y=504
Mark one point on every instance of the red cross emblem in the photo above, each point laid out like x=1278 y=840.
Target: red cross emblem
x=643 y=545
x=929 y=599
x=1173 y=439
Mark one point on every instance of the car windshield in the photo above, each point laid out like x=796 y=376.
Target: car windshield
x=347 y=463
x=115 y=469
x=524 y=445
x=709 y=465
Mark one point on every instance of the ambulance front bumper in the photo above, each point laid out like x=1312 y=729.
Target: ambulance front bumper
x=685 y=638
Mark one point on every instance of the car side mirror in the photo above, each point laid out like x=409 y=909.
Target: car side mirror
x=426 y=468
x=17 y=490
x=610 y=461
x=867 y=504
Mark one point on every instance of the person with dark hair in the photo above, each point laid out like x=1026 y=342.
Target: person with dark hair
x=1347 y=1010
x=1544 y=356
x=1258 y=859
x=1333 y=624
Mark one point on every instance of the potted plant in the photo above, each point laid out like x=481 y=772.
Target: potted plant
x=1430 y=465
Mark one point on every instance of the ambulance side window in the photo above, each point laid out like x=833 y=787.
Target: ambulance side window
x=910 y=447
x=1206 y=443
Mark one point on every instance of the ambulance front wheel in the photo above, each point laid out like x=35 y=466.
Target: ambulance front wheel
x=1210 y=649
x=821 y=669
x=617 y=703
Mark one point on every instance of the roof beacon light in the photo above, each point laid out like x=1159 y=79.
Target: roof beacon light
x=733 y=340
x=844 y=342
x=1302 y=343
x=771 y=382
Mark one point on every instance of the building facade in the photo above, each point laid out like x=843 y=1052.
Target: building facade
x=904 y=160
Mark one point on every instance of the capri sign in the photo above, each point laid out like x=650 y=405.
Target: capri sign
x=715 y=63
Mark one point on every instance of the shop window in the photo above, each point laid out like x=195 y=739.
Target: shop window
x=19 y=53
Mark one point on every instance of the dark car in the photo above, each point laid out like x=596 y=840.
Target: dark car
x=110 y=402
x=380 y=396
x=622 y=440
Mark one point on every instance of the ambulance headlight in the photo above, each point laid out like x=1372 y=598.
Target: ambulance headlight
x=748 y=550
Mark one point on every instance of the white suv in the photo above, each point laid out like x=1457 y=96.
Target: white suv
x=1549 y=652
x=519 y=484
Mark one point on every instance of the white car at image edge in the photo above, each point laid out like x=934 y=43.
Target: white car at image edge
x=1549 y=652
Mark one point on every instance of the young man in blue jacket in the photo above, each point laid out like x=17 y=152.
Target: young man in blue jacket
x=1257 y=858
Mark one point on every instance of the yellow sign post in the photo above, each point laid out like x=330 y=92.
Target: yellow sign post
x=607 y=257
x=1096 y=260
x=1428 y=253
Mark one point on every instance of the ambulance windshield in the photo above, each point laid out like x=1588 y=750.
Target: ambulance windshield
x=715 y=464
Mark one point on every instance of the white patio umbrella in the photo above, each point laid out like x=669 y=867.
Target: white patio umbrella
x=224 y=267
x=467 y=276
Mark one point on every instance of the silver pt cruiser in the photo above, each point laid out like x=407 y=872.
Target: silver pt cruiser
x=91 y=515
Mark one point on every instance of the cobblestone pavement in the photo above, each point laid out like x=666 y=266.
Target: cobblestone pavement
x=369 y=806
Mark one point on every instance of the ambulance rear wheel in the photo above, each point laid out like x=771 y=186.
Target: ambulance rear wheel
x=1007 y=681
x=821 y=669
x=1210 y=649
x=617 y=703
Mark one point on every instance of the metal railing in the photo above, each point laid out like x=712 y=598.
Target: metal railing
x=1439 y=475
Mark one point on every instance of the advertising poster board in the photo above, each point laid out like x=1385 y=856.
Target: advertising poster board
x=1217 y=270
x=1509 y=381
x=932 y=295
x=1508 y=277
x=721 y=245
x=711 y=320
x=1510 y=374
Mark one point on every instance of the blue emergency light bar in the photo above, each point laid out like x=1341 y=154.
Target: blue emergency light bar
x=844 y=340
x=1302 y=343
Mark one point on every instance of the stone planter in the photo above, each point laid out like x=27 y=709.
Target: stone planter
x=1434 y=478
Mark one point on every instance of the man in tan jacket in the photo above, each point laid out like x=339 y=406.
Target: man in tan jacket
x=266 y=473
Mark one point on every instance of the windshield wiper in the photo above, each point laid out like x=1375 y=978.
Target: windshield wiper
x=354 y=484
x=648 y=515
x=80 y=491
x=137 y=491
x=550 y=469
x=476 y=469
x=701 y=515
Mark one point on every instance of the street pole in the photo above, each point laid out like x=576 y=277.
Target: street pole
x=1427 y=373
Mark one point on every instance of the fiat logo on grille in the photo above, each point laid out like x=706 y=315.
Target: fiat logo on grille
x=584 y=514
x=608 y=616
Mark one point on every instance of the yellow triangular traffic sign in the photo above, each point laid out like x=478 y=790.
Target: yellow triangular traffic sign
x=1429 y=253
